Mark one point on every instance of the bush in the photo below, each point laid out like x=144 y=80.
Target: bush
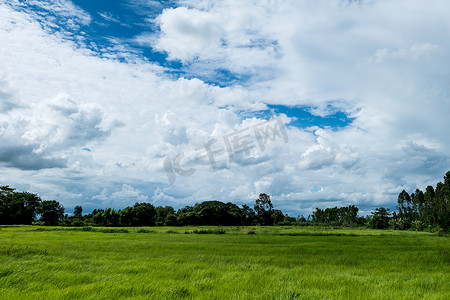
x=400 y=224
x=434 y=229
x=417 y=225
x=377 y=222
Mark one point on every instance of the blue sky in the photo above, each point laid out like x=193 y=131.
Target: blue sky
x=121 y=21
x=317 y=103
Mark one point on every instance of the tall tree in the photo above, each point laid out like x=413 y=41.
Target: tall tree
x=78 y=211
x=418 y=200
x=264 y=209
x=248 y=215
x=428 y=214
x=403 y=202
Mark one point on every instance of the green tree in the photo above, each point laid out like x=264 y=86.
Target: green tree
x=264 y=209
x=144 y=214
x=403 y=204
x=218 y=213
x=98 y=217
x=111 y=217
x=418 y=200
x=171 y=220
x=428 y=211
x=162 y=213
x=78 y=212
x=17 y=208
x=442 y=205
x=447 y=178
x=380 y=218
x=234 y=214
x=248 y=215
x=188 y=218
x=126 y=216
x=277 y=216
x=51 y=211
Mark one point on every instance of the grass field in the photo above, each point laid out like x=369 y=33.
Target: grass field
x=271 y=263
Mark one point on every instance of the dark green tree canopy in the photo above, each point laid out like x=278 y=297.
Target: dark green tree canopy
x=51 y=211
x=17 y=207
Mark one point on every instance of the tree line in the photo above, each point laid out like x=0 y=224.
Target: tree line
x=418 y=211
x=23 y=207
x=27 y=208
x=429 y=210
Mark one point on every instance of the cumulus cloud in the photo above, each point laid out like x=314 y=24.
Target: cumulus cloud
x=326 y=152
x=36 y=137
x=187 y=33
x=7 y=99
x=125 y=197
x=209 y=37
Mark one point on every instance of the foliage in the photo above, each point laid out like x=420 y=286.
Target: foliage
x=380 y=218
x=78 y=211
x=431 y=208
x=16 y=207
x=264 y=210
x=51 y=211
x=342 y=216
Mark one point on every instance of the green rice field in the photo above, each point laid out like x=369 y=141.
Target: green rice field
x=222 y=263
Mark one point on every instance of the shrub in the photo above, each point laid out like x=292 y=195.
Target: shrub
x=399 y=224
x=417 y=225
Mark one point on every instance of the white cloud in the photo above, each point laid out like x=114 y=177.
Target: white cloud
x=218 y=37
x=53 y=13
x=416 y=51
x=186 y=33
x=127 y=196
x=326 y=152
x=109 y=17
